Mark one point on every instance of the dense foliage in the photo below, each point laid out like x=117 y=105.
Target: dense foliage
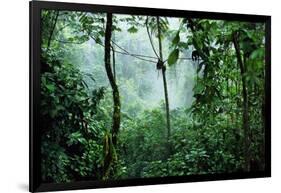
x=126 y=96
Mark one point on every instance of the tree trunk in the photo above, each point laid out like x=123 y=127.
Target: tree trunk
x=165 y=82
x=115 y=92
x=113 y=58
x=247 y=155
x=52 y=30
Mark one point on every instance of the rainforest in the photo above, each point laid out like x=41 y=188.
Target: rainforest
x=135 y=96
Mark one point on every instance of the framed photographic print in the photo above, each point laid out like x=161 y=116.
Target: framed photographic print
x=123 y=96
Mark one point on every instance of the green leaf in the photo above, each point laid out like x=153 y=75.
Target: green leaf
x=101 y=32
x=257 y=54
x=50 y=87
x=176 y=39
x=133 y=29
x=199 y=87
x=71 y=39
x=173 y=57
x=98 y=40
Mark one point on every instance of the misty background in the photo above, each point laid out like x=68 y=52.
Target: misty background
x=140 y=83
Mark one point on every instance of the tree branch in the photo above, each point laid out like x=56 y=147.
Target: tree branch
x=150 y=38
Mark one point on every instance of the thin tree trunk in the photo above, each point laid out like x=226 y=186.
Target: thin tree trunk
x=115 y=92
x=165 y=82
x=52 y=30
x=113 y=57
x=113 y=64
x=247 y=156
x=110 y=142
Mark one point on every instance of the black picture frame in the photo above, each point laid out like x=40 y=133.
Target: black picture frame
x=35 y=184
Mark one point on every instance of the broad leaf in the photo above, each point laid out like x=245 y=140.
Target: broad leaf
x=133 y=29
x=176 y=38
x=173 y=57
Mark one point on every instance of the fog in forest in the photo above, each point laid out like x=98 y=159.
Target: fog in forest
x=130 y=96
x=146 y=89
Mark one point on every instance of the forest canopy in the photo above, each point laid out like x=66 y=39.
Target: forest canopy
x=130 y=96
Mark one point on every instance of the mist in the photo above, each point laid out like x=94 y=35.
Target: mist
x=120 y=119
x=146 y=89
